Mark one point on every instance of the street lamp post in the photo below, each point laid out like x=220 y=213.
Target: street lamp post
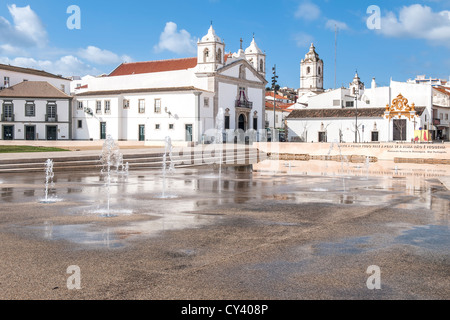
x=356 y=115
x=274 y=86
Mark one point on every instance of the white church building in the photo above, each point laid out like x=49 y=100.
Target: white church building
x=180 y=98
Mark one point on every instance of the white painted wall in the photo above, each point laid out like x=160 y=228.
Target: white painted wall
x=18 y=77
x=123 y=124
x=20 y=120
x=308 y=129
x=279 y=116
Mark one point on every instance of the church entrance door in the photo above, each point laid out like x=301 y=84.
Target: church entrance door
x=241 y=122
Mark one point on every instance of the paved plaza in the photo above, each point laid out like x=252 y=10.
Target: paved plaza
x=277 y=229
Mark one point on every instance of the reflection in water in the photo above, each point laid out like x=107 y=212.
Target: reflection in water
x=95 y=236
x=83 y=234
x=29 y=193
x=198 y=189
x=434 y=237
x=238 y=186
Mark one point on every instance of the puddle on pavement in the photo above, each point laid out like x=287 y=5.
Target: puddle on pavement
x=432 y=237
x=94 y=235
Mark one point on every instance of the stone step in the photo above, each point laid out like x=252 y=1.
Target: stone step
x=135 y=161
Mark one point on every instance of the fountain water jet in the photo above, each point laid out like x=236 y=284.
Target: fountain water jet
x=111 y=157
x=218 y=141
x=167 y=168
x=367 y=167
x=49 y=175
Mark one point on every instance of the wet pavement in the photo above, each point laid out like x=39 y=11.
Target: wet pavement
x=248 y=233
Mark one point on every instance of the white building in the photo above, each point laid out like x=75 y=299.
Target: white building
x=441 y=112
x=180 y=98
x=277 y=115
x=12 y=75
x=35 y=105
x=421 y=79
x=35 y=110
x=357 y=114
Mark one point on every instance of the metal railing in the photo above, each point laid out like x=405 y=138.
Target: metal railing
x=243 y=104
x=51 y=118
x=8 y=119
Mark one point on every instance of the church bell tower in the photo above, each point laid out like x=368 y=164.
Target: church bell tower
x=210 y=53
x=311 y=72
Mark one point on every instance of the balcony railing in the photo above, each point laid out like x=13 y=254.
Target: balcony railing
x=51 y=118
x=243 y=104
x=8 y=118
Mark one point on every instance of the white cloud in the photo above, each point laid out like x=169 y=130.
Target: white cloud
x=24 y=43
x=307 y=11
x=417 y=21
x=303 y=40
x=27 y=29
x=99 y=56
x=68 y=65
x=8 y=49
x=175 y=41
x=339 y=24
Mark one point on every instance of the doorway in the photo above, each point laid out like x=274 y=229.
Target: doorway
x=30 y=133
x=188 y=132
x=399 y=129
x=241 y=122
x=102 y=130
x=142 y=132
x=51 y=132
x=8 y=132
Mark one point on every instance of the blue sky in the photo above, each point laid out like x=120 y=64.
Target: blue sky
x=414 y=36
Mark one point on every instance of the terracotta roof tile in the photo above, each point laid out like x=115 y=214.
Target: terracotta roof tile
x=33 y=89
x=280 y=107
x=270 y=94
x=443 y=90
x=154 y=66
x=30 y=71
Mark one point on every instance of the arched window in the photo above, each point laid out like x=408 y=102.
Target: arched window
x=261 y=65
x=308 y=70
x=319 y=71
x=219 y=56
x=205 y=55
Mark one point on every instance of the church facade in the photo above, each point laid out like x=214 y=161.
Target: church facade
x=180 y=98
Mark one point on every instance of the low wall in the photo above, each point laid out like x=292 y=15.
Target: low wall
x=71 y=144
x=397 y=152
